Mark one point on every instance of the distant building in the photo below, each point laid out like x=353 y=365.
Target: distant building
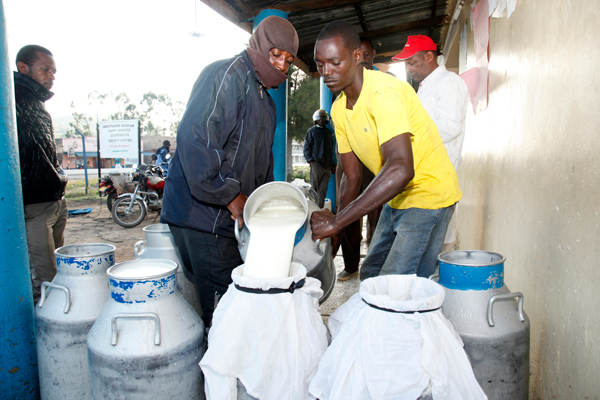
x=298 y=153
x=70 y=152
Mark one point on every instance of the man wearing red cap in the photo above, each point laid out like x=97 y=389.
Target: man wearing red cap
x=444 y=96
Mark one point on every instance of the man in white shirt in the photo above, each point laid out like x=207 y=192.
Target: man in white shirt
x=444 y=96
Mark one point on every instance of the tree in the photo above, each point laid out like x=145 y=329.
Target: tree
x=303 y=101
x=157 y=113
x=80 y=122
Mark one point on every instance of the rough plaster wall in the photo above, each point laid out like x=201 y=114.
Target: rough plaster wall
x=530 y=178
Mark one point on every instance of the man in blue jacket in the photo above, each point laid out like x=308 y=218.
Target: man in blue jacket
x=224 y=152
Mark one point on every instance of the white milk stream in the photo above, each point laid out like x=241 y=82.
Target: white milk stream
x=272 y=232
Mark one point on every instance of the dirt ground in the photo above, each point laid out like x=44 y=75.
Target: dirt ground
x=99 y=227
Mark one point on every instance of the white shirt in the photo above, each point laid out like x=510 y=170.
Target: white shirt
x=445 y=97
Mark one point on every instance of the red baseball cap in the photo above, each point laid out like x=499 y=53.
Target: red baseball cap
x=414 y=44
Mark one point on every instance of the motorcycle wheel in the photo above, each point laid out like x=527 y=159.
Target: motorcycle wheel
x=128 y=219
x=110 y=199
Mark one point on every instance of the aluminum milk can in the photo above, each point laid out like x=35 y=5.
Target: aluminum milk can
x=159 y=243
x=67 y=309
x=489 y=319
x=148 y=341
x=314 y=255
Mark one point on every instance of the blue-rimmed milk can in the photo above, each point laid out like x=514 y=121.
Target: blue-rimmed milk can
x=489 y=319
x=67 y=309
x=148 y=341
x=158 y=243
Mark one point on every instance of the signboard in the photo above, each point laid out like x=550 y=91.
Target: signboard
x=119 y=139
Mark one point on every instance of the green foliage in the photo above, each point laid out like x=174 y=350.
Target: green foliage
x=303 y=101
x=157 y=113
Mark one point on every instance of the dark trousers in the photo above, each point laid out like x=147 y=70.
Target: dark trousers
x=211 y=258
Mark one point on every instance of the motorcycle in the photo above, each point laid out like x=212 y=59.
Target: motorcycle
x=108 y=189
x=130 y=209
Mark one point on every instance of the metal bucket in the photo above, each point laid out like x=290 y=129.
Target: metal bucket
x=159 y=243
x=315 y=256
x=489 y=319
x=67 y=309
x=148 y=341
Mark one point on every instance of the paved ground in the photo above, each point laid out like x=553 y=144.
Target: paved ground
x=99 y=227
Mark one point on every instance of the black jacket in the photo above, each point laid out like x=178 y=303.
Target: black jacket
x=318 y=146
x=42 y=178
x=224 y=147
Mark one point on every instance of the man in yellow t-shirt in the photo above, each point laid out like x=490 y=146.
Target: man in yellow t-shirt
x=380 y=122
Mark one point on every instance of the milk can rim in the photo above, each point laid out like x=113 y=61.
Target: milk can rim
x=261 y=188
x=111 y=249
x=165 y=228
x=172 y=271
x=472 y=264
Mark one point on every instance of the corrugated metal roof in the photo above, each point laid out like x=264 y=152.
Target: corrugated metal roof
x=387 y=22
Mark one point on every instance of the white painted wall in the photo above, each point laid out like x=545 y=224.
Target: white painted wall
x=531 y=183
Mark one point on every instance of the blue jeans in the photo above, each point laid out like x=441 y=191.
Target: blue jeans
x=406 y=242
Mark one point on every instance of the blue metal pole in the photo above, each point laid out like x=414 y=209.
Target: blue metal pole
x=84 y=159
x=326 y=99
x=280 y=97
x=18 y=355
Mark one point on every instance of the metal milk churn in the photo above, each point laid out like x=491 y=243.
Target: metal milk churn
x=489 y=319
x=314 y=255
x=148 y=341
x=159 y=243
x=67 y=309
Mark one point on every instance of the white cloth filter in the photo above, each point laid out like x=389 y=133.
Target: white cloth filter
x=378 y=354
x=272 y=343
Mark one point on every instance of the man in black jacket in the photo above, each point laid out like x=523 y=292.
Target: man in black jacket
x=318 y=152
x=42 y=179
x=224 y=152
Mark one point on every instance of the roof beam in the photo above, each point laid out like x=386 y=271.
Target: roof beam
x=361 y=17
x=228 y=12
x=310 y=5
x=390 y=30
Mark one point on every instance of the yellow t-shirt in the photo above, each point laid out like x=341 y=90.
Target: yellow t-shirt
x=388 y=107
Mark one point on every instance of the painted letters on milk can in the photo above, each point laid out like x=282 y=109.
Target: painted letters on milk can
x=489 y=319
x=159 y=243
x=64 y=315
x=148 y=341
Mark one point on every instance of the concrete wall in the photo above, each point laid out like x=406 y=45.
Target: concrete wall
x=531 y=183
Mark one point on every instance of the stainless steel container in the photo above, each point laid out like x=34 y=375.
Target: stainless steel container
x=158 y=243
x=315 y=256
x=148 y=341
x=67 y=309
x=489 y=319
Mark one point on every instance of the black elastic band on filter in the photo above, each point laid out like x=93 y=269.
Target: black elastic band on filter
x=291 y=289
x=399 y=312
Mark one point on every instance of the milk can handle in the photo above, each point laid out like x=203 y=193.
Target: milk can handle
x=236 y=231
x=55 y=286
x=138 y=248
x=319 y=249
x=149 y=316
x=434 y=277
x=505 y=296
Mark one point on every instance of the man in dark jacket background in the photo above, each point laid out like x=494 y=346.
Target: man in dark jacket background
x=318 y=152
x=42 y=179
x=224 y=152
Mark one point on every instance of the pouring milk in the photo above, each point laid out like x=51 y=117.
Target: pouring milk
x=273 y=229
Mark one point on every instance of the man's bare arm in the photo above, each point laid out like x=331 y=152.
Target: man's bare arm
x=397 y=172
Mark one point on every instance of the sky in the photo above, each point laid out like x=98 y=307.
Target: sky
x=130 y=46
